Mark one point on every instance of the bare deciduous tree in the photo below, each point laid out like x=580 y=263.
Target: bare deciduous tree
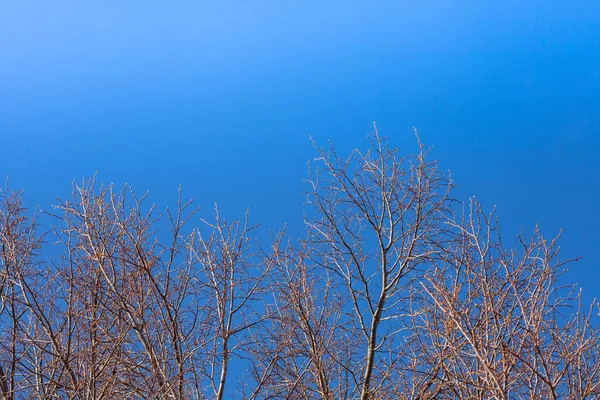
x=378 y=219
x=232 y=280
x=496 y=323
x=19 y=245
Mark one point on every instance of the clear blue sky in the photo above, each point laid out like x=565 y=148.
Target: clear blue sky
x=221 y=97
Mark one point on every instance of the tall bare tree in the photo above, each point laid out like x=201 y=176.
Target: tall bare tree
x=497 y=324
x=232 y=280
x=378 y=218
x=19 y=246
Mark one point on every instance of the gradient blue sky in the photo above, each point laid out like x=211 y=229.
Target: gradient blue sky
x=221 y=97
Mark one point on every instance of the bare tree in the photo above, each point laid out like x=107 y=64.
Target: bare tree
x=19 y=244
x=127 y=301
x=496 y=323
x=308 y=334
x=231 y=278
x=378 y=218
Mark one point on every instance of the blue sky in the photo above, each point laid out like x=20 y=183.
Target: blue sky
x=221 y=97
